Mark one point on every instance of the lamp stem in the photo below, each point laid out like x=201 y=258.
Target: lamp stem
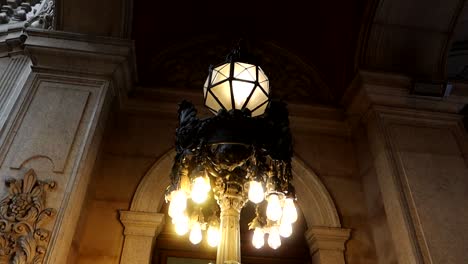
x=231 y=203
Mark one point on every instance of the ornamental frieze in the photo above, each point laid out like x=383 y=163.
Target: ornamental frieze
x=23 y=216
x=32 y=13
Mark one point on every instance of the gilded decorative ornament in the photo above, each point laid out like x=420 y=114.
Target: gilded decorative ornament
x=23 y=214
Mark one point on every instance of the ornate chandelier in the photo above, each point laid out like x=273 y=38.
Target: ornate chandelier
x=241 y=154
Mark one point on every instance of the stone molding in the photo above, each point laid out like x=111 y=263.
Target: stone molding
x=83 y=56
x=376 y=90
x=141 y=223
x=327 y=238
x=23 y=214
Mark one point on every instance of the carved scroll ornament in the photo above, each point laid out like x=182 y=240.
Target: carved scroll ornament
x=23 y=238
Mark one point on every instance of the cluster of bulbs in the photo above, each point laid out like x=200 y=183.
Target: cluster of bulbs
x=198 y=193
x=281 y=213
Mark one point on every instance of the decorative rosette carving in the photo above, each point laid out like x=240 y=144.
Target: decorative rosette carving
x=23 y=214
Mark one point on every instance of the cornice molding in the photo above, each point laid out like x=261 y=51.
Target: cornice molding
x=372 y=89
x=11 y=39
x=67 y=53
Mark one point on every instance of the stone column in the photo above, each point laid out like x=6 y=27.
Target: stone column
x=229 y=251
x=57 y=122
x=141 y=230
x=327 y=244
x=419 y=152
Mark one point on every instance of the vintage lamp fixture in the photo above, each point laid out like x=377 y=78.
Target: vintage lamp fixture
x=241 y=154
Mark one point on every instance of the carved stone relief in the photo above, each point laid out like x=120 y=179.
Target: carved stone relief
x=23 y=215
x=36 y=13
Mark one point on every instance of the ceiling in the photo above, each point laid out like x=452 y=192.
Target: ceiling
x=308 y=49
x=311 y=50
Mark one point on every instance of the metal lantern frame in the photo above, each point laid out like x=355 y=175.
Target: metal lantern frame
x=231 y=150
x=236 y=71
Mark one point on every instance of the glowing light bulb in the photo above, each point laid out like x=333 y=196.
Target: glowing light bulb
x=200 y=189
x=181 y=224
x=178 y=203
x=195 y=233
x=256 y=193
x=289 y=211
x=274 y=240
x=285 y=229
x=213 y=236
x=258 y=239
x=274 y=210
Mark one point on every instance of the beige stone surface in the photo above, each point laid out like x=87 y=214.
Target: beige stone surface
x=376 y=217
x=323 y=152
x=439 y=191
x=103 y=232
x=418 y=159
x=49 y=126
x=118 y=176
x=141 y=135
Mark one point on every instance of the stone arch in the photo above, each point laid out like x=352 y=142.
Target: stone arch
x=319 y=211
x=143 y=221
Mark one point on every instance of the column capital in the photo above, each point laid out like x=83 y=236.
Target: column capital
x=327 y=238
x=142 y=223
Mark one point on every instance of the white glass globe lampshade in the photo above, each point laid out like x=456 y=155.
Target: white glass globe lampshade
x=256 y=193
x=181 y=224
x=237 y=85
x=289 y=211
x=195 y=234
x=274 y=210
x=200 y=188
x=285 y=229
x=274 y=240
x=258 y=239
x=178 y=203
x=213 y=236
